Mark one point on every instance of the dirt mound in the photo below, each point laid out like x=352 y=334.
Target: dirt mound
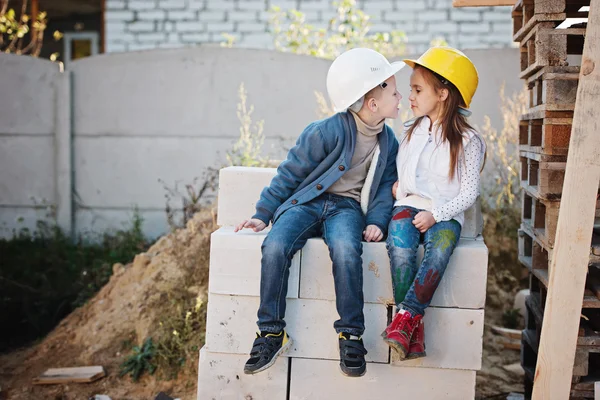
x=126 y=310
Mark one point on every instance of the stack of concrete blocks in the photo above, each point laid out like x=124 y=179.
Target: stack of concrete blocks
x=309 y=369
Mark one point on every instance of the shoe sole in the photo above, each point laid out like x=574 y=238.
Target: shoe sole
x=270 y=363
x=414 y=356
x=402 y=352
x=349 y=375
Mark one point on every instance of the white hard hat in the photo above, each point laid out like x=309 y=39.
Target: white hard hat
x=354 y=72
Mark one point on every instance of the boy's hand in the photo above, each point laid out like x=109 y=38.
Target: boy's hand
x=255 y=224
x=372 y=233
x=394 y=189
x=423 y=221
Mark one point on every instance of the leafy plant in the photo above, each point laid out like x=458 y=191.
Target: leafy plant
x=247 y=150
x=23 y=34
x=45 y=274
x=181 y=333
x=348 y=29
x=139 y=361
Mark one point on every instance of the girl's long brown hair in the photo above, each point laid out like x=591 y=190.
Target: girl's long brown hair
x=453 y=124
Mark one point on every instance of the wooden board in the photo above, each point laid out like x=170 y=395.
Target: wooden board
x=67 y=375
x=569 y=264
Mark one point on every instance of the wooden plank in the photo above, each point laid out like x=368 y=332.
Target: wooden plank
x=506 y=332
x=66 y=375
x=482 y=3
x=569 y=264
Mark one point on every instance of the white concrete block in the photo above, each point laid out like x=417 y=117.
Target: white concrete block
x=172 y=4
x=235 y=264
x=252 y=5
x=211 y=16
x=221 y=27
x=195 y=37
x=231 y=327
x=453 y=340
x=497 y=15
x=473 y=224
x=120 y=15
x=141 y=4
x=115 y=4
x=460 y=15
x=242 y=16
x=221 y=377
x=240 y=188
x=313 y=5
x=404 y=5
x=189 y=26
x=151 y=15
x=114 y=27
x=321 y=380
x=252 y=27
x=115 y=47
x=182 y=15
x=196 y=4
x=220 y=4
x=463 y=284
x=482 y=27
x=433 y=16
x=141 y=26
x=151 y=37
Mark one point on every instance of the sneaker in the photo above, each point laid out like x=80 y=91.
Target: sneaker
x=352 y=355
x=266 y=348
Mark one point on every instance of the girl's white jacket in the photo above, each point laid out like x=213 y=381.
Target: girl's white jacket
x=449 y=198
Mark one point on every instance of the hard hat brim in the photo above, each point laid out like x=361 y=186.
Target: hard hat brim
x=411 y=63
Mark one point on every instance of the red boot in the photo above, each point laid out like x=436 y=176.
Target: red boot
x=399 y=333
x=416 y=348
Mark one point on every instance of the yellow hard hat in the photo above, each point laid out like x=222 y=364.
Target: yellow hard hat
x=452 y=65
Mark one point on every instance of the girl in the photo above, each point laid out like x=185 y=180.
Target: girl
x=438 y=179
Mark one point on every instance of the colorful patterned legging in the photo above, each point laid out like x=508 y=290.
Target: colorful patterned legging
x=413 y=284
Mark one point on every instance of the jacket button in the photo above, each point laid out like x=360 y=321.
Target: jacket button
x=341 y=168
x=319 y=186
x=294 y=201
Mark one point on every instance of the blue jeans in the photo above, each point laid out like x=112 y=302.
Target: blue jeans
x=414 y=285
x=341 y=222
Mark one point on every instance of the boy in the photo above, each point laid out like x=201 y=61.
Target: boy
x=336 y=183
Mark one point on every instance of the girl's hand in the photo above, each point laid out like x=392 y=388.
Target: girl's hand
x=373 y=234
x=394 y=189
x=255 y=224
x=423 y=221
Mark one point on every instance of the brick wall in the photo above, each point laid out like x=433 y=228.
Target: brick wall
x=147 y=24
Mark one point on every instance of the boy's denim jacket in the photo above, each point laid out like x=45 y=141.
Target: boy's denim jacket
x=320 y=157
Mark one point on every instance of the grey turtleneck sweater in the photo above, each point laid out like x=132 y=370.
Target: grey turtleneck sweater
x=351 y=183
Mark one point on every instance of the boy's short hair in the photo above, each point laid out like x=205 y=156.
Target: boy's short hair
x=357 y=106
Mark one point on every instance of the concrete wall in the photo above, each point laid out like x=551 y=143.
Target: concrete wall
x=127 y=120
x=148 y=24
x=32 y=107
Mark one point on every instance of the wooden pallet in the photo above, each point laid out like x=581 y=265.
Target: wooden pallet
x=543 y=175
x=553 y=88
x=528 y=13
x=545 y=46
x=545 y=132
x=536 y=258
x=586 y=354
x=540 y=217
